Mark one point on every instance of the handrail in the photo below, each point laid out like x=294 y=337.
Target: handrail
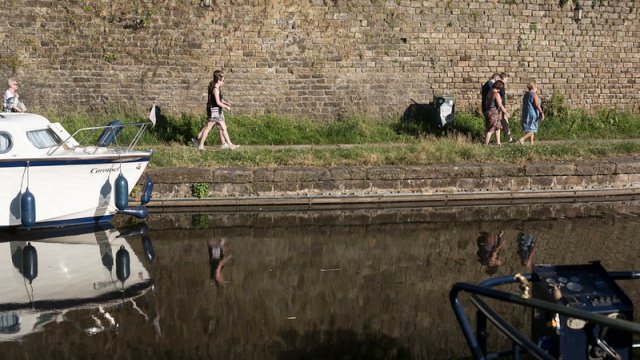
x=510 y=331
x=90 y=130
x=483 y=289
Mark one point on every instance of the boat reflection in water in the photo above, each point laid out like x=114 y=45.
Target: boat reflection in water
x=54 y=272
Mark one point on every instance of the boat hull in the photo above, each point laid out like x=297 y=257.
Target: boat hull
x=67 y=190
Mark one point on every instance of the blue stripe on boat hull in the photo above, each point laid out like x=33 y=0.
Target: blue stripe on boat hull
x=22 y=163
x=70 y=222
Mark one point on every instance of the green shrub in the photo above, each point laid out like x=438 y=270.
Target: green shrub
x=200 y=190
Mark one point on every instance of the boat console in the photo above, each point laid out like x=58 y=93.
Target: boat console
x=586 y=287
x=578 y=312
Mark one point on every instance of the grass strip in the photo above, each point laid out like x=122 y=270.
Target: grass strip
x=426 y=152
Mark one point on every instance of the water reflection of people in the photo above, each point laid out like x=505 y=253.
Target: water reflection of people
x=489 y=246
x=526 y=247
x=217 y=259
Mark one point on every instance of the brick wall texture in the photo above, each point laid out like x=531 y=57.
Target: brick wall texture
x=317 y=58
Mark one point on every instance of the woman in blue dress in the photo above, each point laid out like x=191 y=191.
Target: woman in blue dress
x=531 y=112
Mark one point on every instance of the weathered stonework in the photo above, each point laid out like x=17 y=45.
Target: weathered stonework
x=428 y=179
x=316 y=58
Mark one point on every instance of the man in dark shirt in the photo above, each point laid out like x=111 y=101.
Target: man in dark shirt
x=486 y=88
x=505 y=120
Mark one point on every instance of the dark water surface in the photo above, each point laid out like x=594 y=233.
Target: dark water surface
x=352 y=284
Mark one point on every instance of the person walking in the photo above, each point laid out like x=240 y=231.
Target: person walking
x=492 y=115
x=215 y=114
x=531 y=112
x=504 y=118
x=486 y=88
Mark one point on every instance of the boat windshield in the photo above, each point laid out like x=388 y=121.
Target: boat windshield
x=5 y=142
x=43 y=138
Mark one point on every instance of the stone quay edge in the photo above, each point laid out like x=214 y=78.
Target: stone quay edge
x=308 y=186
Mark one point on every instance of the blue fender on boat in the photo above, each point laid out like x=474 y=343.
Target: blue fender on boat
x=122 y=192
x=29 y=262
x=147 y=189
x=28 y=209
x=123 y=264
x=139 y=212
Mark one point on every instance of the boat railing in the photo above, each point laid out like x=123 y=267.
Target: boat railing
x=478 y=343
x=113 y=136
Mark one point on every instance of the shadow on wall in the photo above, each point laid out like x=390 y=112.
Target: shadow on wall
x=419 y=119
x=180 y=129
x=341 y=344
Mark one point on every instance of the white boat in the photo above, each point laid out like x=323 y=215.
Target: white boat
x=70 y=180
x=44 y=279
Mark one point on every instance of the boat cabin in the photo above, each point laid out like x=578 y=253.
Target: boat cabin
x=24 y=135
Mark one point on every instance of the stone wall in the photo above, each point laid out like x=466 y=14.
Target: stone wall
x=316 y=57
x=175 y=183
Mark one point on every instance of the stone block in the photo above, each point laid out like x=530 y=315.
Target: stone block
x=307 y=188
x=634 y=179
x=390 y=185
x=570 y=182
x=474 y=184
x=232 y=189
x=263 y=175
x=421 y=172
x=458 y=171
x=606 y=180
x=519 y=183
x=547 y=169
x=441 y=185
x=325 y=185
x=167 y=191
x=542 y=182
x=620 y=180
x=501 y=183
x=232 y=175
x=415 y=184
x=595 y=168
x=626 y=166
x=180 y=175
x=501 y=170
x=348 y=173
x=290 y=174
x=263 y=188
x=349 y=185
x=285 y=187
x=385 y=173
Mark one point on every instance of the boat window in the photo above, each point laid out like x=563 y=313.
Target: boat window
x=43 y=138
x=5 y=142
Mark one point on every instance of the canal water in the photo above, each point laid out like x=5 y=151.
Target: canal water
x=328 y=284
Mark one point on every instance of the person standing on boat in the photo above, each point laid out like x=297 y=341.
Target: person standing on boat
x=11 y=98
x=215 y=115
